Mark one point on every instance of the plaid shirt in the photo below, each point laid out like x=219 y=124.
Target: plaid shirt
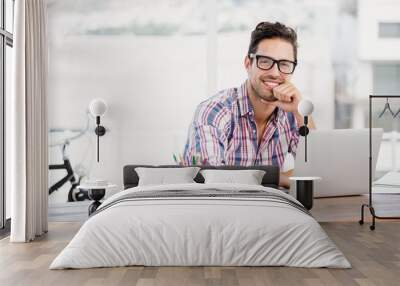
x=224 y=132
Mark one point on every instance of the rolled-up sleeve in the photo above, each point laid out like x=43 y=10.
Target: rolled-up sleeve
x=294 y=135
x=206 y=143
x=206 y=137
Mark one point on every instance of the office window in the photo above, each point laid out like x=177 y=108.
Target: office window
x=389 y=30
x=386 y=81
x=386 y=78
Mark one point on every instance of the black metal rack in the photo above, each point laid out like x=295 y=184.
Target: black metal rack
x=370 y=203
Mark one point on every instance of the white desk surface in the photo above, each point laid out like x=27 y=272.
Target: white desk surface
x=304 y=178
x=83 y=186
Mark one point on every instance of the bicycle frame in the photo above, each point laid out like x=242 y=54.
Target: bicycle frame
x=70 y=176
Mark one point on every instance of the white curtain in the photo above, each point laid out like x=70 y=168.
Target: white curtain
x=27 y=122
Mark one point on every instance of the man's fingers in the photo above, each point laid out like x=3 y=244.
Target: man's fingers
x=285 y=92
x=277 y=95
x=282 y=96
x=287 y=96
x=286 y=89
x=283 y=86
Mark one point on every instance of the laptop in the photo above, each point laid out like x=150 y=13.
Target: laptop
x=341 y=158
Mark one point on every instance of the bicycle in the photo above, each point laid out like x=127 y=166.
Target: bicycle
x=74 y=194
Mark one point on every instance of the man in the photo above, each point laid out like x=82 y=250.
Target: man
x=257 y=123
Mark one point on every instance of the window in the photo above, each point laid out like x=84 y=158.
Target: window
x=389 y=30
x=6 y=43
x=387 y=78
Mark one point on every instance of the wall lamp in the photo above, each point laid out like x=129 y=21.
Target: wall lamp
x=97 y=108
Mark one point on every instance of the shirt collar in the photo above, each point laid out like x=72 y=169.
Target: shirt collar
x=245 y=107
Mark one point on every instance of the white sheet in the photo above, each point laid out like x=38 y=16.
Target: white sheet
x=171 y=232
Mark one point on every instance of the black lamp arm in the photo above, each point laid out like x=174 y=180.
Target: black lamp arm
x=303 y=131
x=100 y=131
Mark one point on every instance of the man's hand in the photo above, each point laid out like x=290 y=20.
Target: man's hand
x=284 y=179
x=288 y=97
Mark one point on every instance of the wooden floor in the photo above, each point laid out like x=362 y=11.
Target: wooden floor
x=374 y=255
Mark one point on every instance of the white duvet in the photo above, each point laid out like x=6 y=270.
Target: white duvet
x=200 y=231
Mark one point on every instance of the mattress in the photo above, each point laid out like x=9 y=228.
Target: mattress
x=201 y=225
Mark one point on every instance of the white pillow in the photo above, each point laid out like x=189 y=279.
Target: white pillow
x=164 y=176
x=249 y=177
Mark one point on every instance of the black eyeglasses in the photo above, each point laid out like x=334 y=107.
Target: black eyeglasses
x=266 y=63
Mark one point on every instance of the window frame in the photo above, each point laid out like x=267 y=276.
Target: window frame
x=6 y=39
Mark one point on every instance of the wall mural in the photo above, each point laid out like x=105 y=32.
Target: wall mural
x=156 y=70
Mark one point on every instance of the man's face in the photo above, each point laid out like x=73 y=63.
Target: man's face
x=263 y=81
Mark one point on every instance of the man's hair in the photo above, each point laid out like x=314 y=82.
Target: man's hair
x=267 y=30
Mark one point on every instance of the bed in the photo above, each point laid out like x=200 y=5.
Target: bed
x=197 y=224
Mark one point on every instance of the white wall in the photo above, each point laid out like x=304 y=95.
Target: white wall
x=150 y=103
